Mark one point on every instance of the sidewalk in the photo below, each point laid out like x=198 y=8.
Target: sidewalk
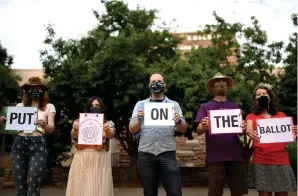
x=133 y=192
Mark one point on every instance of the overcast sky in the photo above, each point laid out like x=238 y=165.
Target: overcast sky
x=22 y=22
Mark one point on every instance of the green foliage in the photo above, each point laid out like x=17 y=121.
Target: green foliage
x=115 y=59
x=287 y=91
x=111 y=62
x=8 y=80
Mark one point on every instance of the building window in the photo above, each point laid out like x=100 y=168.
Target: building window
x=195 y=37
x=209 y=37
x=189 y=38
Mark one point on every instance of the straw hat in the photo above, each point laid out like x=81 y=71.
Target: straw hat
x=34 y=81
x=230 y=81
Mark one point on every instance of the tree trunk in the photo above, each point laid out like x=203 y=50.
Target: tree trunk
x=134 y=168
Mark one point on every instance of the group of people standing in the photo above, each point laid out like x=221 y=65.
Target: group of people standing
x=91 y=175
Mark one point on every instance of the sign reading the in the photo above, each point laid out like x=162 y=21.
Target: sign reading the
x=159 y=114
x=275 y=130
x=225 y=121
x=21 y=119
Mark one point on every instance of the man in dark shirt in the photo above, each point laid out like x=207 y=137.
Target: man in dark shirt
x=224 y=154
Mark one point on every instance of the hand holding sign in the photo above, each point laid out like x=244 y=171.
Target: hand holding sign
x=75 y=125
x=2 y=119
x=294 y=128
x=177 y=117
x=205 y=123
x=140 y=114
x=41 y=123
x=243 y=126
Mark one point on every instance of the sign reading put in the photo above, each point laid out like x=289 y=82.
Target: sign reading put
x=21 y=119
x=225 y=121
x=159 y=114
x=275 y=130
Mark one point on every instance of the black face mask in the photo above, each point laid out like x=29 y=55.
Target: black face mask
x=157 y=87
x=95 y=110
x=263 y=102
x=35 y=95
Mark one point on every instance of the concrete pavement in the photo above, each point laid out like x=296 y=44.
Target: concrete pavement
x=132 y=192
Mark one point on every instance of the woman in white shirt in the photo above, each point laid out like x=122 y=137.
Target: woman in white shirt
x=29 y=153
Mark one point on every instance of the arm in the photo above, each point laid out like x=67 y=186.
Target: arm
x=75 y=130
x=252 y=134
x=202 y=121
x=202 y=126
x=181 y=125
x=135 y=120
x=50 y=127
x=110 y=129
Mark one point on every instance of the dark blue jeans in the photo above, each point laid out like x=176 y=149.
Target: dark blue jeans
x=165 y=165
x=29 y=157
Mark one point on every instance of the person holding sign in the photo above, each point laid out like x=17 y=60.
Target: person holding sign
x=157 y=150
x=271 y=170
x=90 y=173
x=224 y=154
x=29 y=153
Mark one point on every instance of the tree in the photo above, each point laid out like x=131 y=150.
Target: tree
x=111 y=61
x=8 y=80
x=186 y=81
x=287 y=92
x=256 y=58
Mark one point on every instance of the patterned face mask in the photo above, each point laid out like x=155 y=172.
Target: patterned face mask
x=157 y=87
x=95 y=110
x=35 y=95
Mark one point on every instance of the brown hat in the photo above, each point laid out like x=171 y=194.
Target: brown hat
x=34 y=81
x=230 y=81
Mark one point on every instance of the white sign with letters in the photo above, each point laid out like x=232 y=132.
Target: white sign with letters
x=90 y=129
x=159 y=114
x=275 y=130
x=225 y=121
x=21 y=119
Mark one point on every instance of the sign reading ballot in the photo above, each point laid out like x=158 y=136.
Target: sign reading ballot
x=225 y=121
x=21 y=119
x=90 y=129
x=159 y=114
x=275 y=130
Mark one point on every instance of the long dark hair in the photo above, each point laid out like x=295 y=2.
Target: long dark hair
x=101 y=105
x=273 y=105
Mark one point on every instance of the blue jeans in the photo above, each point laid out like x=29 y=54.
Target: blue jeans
x=165 y=165
x=29 y=157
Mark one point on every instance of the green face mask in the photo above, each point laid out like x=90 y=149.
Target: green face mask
x=35 y=95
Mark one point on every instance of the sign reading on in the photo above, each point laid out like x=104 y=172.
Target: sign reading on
x=21 y=119
x=90 y=129
x=225 y=121
x=159 y=114
x=275 y=130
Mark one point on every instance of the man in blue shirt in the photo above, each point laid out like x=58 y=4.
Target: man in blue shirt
x=157 y=149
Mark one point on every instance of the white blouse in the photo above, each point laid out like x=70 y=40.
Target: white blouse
x=42 y=114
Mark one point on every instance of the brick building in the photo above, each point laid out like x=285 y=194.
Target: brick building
x=194 y=40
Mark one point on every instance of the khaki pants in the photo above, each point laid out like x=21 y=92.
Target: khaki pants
x=235 y=174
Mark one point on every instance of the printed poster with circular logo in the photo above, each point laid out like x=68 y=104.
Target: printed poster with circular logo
x=90 y=130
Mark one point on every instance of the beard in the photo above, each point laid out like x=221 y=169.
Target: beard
x=220 y=90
